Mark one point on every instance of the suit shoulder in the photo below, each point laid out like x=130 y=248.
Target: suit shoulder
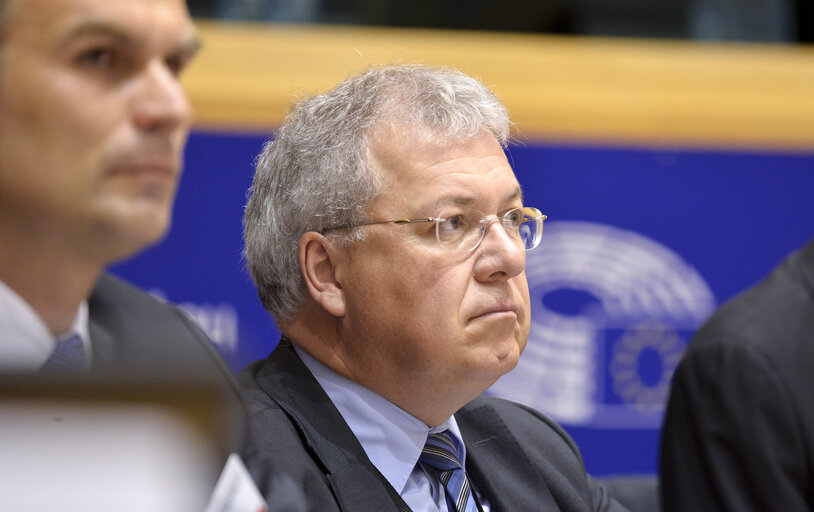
x=527 y=422
x=520 y=436
x=255 y=398
x=769 y=315
x=112 y=291
x=115 y=300
x=150 y=334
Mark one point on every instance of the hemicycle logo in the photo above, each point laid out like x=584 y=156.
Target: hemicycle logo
x=612 y=311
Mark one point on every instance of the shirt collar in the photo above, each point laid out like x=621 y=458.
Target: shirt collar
x=26 y=340
x=391 y=437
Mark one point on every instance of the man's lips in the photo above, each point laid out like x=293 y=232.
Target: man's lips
x=496 y=310
x=148 y=169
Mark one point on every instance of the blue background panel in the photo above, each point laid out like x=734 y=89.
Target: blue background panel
x=730 y=216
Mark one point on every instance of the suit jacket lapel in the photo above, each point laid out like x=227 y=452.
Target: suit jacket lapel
x=497 y=463
x=104 y=328
x=354 y=481
x=104 y=346
x=806 y=265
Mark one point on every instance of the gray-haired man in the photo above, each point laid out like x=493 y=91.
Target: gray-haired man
x=386 y=233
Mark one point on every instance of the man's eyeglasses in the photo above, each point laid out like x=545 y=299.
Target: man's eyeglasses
x=464 y=229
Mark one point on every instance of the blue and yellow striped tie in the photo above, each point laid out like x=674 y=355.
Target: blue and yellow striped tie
x=442 y=455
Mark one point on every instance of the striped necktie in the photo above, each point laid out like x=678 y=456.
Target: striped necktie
x=442 y=455
x=68 y=357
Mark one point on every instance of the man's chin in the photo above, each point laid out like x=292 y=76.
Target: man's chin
x=508 y=361
x=126 y=233
x=501 y=359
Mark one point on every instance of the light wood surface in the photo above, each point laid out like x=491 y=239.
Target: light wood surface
x=563 y=89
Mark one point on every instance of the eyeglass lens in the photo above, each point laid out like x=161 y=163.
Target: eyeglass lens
x=464 y=229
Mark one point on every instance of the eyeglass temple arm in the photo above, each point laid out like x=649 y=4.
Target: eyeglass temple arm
x=408 y=221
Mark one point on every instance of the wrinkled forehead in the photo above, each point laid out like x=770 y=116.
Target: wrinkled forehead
x=392 y=144
x=421 y=166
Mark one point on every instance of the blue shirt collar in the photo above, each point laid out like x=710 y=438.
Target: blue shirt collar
x=391 y=437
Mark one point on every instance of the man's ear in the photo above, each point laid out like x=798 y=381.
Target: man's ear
x=315 y=254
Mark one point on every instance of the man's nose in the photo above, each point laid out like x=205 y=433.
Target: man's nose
x=161 y=103
x=501 y=255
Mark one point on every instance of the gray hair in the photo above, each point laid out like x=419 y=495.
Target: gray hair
x=317 y=172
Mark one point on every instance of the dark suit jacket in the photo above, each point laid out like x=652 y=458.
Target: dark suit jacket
x=518 y=458
x=739 y=430
x=135 y=334
x=132 y=332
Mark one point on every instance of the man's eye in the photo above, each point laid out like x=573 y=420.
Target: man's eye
x=453 y=223
x=97 y=57
x=175 y=64
x=514 y=218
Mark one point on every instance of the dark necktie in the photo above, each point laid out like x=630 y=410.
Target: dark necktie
x=442 y=455
x=68 y=357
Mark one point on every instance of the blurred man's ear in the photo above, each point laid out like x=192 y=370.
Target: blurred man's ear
x=316 y=258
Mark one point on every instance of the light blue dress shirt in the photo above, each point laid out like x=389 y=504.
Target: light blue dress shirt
x=391 y=437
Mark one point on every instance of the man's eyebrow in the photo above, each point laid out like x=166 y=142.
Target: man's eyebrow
x=187 y=46
x=461 y=200
x=454 y=200
x=96 y=28
x=517 y=193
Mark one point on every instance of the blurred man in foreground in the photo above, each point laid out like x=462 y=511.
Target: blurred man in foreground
x=93 y=123
x=739 y=430
x=386 y=233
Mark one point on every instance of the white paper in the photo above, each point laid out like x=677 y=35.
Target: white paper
x=235 y=490
x=86 y=457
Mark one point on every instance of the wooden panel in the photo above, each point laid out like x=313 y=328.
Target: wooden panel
x=592 y=90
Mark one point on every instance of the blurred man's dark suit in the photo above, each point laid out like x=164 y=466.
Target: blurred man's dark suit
x=739 y=429
x=135 y=334
x=518 y=458
x=132 y=331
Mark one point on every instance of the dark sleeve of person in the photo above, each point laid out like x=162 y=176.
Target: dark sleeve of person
x=732 y=439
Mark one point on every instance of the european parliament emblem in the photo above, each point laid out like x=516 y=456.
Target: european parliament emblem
x=612 y=311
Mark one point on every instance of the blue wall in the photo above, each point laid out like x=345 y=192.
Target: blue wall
x=641 y=245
